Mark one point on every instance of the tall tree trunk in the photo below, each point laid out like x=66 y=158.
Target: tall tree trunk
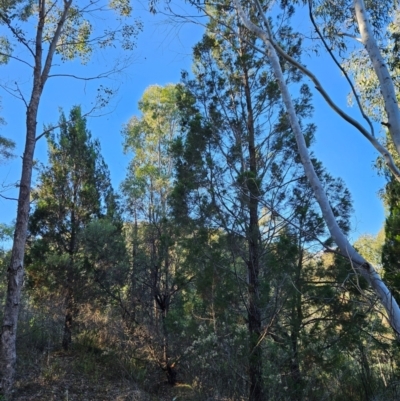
x=15 y=273
x=381 y=69
x=168 y=366
x=253 y=264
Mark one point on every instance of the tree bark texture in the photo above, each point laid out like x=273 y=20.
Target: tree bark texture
x=15 y=274
x=253 y=265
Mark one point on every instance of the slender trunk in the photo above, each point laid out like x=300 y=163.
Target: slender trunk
x=169 y=367
x=253 y=265
x=297 y=316
x=69 y=317
x=15 y=274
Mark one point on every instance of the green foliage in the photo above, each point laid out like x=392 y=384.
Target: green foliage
x=391 y=247
x=6 y=149
x=370 y=247
x=7 y=145
x=6 y=234
x=157 y=277
x=79 y=35
x=148 y=138
x=225 y=273
x=75 y=228
x=311 y=310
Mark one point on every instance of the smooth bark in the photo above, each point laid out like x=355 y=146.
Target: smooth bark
x=368 y=135
x=319 y=87
x=381 y=71
x=358 y=262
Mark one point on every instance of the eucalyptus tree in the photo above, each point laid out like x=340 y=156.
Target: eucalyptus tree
x=367 y=83
x=149 y=137
x=358 y=22
x=155 y=256
x=39 y=36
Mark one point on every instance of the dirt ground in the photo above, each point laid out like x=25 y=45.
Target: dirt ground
x=69 y=376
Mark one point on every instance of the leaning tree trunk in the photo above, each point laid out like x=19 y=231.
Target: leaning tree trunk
x=381 y=70
x=362 y=266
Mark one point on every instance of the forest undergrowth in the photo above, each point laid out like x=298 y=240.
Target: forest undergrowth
x=91 y=370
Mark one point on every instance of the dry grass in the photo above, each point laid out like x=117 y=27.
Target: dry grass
x=71 y=376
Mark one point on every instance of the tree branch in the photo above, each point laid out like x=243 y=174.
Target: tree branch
x=17 y=59
x=6 y=197
x=362 y=266
x=54 y=40
x=344 y=72
x=377 y=145
x=382 y=72
x=47 y=131
x=20 y=38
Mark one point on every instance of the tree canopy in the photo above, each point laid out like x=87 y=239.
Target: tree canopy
x=225 y=266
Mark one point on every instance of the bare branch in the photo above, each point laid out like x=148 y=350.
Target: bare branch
x=21 y=95
x=17 y=59
x=6 y=197
x=47 y=131
x=12 y=92
x=102 y=75
x=344 y=72
x=350 y=36
x=15 y=32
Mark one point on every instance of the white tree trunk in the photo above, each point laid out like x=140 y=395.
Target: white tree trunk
x=359 y=263
x=382 y=72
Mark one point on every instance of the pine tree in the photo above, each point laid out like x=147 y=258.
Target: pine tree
x=237 y=177
x=232 y=161
x=74 y=190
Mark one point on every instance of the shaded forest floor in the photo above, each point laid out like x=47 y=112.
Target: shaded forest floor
x=77 y=376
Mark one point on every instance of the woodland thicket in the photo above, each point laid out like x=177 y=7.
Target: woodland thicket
x=211 y=269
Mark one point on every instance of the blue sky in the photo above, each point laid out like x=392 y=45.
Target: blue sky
x=162 y=52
